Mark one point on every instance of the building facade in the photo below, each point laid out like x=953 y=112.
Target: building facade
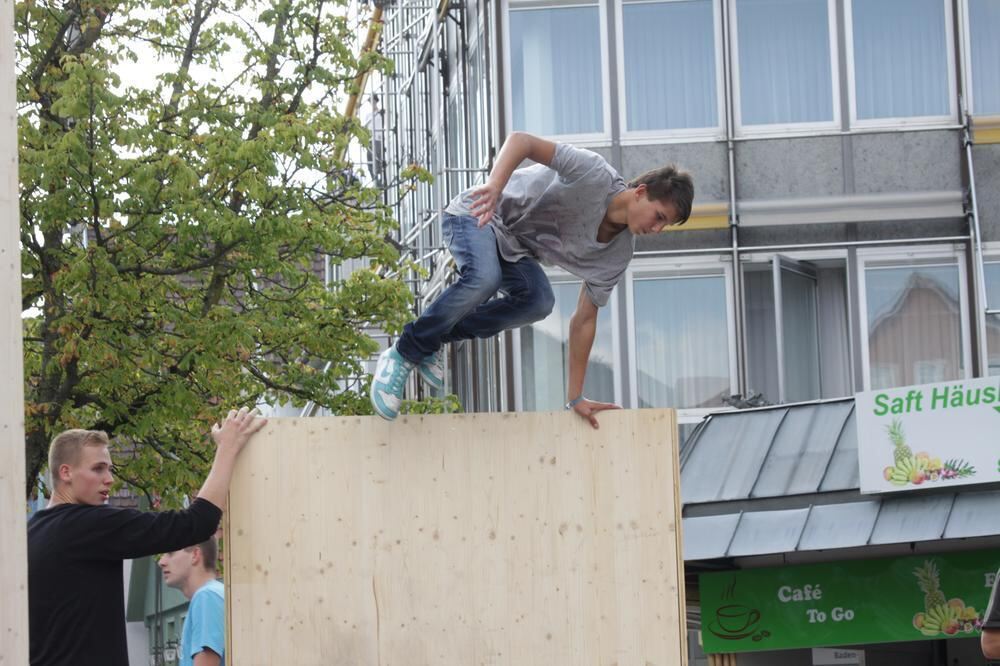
x=845 y=235
x=846 y=174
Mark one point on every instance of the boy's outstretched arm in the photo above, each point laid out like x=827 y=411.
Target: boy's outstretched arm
x=582 y=329
x=518 y=147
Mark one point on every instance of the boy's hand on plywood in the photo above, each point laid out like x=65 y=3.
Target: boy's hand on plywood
x=587 y=409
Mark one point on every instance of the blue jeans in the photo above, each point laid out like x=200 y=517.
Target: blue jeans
x=464 y=310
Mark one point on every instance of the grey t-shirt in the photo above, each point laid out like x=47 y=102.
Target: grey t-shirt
x=553 y=213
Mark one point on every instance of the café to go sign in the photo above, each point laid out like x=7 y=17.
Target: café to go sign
x=930 y=436
x=928 y=597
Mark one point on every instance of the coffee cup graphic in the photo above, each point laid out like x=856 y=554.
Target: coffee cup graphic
x=734 y=621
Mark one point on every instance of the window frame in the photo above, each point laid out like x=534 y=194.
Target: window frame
x=968 y=71
x=820 y=256
x=680 y=268
x=948 y=255
x=905 y=122
x=785 y=129
x=990 y=255
x=596 y=139
x=559 y=276
x=641 y=137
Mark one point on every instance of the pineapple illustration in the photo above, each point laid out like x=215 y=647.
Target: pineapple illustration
x=930 y=585
x=901 y=451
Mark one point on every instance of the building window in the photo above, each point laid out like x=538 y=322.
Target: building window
x=797 y=329
x=673 y=87
x=992 y=275
x=456 y=144
x=680 y=338
x=984 y=48
x=544 y=354
x=914 y=315
x=478 y=113
x=901 y=52
x=785 y=62
x=556 y=73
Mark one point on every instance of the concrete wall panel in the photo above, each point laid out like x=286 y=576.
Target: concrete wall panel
x=706 y=162
x=789 y=168
x=907 y=162
x=986 y=162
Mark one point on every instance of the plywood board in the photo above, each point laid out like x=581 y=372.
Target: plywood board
x=13 y=537
x=502 y=539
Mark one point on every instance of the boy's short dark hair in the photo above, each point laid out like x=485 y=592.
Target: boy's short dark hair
x=669 y=184
x=209 y=553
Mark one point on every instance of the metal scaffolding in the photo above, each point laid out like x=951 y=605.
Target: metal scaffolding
x=436 y=112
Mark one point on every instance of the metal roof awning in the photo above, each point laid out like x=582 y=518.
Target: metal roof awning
x=774 y=531
x=882 y=521
x=785 y=479
x=839 y=525
x=771 y=452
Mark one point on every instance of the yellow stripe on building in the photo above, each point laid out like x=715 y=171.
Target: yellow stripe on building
x=986 y=129
x=705 y=216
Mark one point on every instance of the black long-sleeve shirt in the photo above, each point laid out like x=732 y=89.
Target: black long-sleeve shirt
x=76 y=596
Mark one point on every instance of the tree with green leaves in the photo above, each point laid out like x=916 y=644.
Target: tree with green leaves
x=181 y=185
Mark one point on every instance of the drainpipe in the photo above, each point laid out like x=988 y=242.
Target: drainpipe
x=980 y=301
x=741 y=369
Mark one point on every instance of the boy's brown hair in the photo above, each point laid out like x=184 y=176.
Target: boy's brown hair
x=209 y=553
x=669 y=185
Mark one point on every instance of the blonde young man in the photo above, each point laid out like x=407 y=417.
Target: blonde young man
x=76 y=595
x=571 y=209
x=192 y=571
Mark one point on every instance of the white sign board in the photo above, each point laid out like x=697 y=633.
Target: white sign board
x=834 y=657
x=930 y=436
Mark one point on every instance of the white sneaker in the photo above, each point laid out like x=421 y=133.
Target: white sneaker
x=388 y=382
x=431 y=370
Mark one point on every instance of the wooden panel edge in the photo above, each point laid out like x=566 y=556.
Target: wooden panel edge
x=679 y=536
x=227 y=562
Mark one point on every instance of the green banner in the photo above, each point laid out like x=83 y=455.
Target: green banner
x=847 y=603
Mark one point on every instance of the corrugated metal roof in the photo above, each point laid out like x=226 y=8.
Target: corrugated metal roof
x=708 y=537
x=839 y=525
x=844 y=525
x=725 y=460
x=843 y=473
x=800 y=452
x=919 y=518
x=762 y=532
x=974 y=514
x=771 y=452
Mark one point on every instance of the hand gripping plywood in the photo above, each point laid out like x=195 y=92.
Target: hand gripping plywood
x=457 y=540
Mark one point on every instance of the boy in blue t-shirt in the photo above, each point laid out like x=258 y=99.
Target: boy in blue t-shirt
x=192 y=571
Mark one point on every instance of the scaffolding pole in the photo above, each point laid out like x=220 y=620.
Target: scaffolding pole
x=361 y=78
